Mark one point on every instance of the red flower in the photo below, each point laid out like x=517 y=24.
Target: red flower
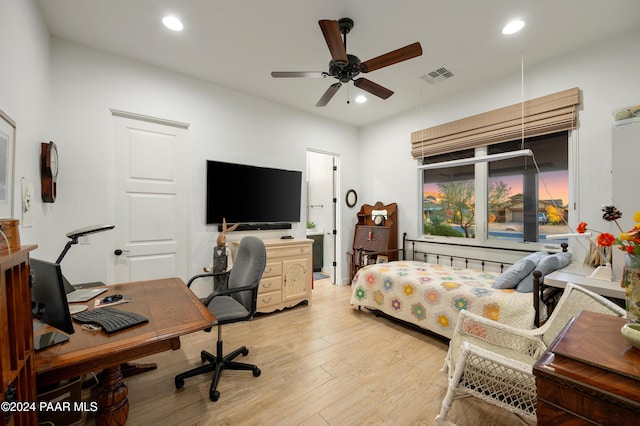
x=629 y=249
x=582 y=228
x=605 y=239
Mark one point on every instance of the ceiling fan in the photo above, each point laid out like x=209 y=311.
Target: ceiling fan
x=345 y=67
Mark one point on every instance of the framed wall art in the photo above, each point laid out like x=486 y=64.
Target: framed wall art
x=7 y=149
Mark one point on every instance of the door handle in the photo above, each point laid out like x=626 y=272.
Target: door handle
x=118 y=252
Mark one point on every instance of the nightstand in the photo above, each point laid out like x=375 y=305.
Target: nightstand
x=589 y=375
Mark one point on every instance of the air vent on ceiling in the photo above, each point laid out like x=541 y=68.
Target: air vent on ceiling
x=437 y=76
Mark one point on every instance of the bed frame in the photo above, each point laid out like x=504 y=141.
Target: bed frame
x=410 y=252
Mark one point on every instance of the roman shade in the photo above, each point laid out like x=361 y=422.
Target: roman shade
x=548 y=114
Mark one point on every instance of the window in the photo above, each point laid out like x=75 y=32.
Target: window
x=519 y=199
x=449 y=197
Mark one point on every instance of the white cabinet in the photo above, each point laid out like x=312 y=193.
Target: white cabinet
x=288 y=275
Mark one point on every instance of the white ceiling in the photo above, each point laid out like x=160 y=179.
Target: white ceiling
x=236 y=44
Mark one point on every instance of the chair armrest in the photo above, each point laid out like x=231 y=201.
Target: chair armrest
x=470 y=348
x=208 y=274
x=497 y=334
x=227 y=292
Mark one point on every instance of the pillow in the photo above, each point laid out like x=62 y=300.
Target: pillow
x=514 y=274
x=537 y=256
x=546 y=266
x=519 y=270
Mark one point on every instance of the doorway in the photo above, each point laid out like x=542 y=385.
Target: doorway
x=322 y=211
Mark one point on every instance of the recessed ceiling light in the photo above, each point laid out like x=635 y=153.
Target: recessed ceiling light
x=172 y=23
x=513 y=27
x=361 y=99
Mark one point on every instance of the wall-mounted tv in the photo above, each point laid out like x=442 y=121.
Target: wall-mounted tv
x=251 y=194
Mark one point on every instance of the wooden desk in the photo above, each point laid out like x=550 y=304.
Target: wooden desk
x=589 y=375
x=172 y=309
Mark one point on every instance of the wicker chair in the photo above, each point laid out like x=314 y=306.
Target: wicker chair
x=494 y=362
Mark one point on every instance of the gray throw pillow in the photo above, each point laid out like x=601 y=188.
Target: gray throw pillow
x=514 y=274
x=545 y=266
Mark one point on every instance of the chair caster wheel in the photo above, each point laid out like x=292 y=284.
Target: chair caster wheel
x=245 y=352
x=256 y=372
x=179 y=383
x=214 y=395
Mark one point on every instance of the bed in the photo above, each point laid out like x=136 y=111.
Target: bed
x=430 y=295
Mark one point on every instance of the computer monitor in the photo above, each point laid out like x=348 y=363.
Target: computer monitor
x=49 y=295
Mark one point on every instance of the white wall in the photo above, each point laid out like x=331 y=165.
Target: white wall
x=607 y=75
x=223 y=125
x=24 y=95
x=63 y=92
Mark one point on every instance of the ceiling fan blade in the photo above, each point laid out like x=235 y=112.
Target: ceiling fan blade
x=393 y=57
x=331 y=32
x=324 y=100
x=288 y=74
x=373 y=88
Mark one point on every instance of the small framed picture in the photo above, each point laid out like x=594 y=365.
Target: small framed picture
x=382 y=259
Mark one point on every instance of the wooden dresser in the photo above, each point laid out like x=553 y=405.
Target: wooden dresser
x=590 y=375
x=288 y=275
x=16 y=337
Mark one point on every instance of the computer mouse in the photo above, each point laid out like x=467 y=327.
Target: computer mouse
x=112 y=298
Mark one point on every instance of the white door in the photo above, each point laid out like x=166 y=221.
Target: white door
x=149 y=199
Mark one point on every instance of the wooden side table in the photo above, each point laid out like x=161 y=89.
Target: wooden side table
x=589 y=375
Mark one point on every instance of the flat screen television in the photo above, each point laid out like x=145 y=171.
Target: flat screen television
x=241 y=193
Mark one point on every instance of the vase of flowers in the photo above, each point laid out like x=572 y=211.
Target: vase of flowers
x=629 y=241
x=631 y=282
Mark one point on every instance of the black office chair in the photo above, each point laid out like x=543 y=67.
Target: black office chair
x=237 y=303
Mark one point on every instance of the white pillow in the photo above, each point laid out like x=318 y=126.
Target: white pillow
x=545 y=266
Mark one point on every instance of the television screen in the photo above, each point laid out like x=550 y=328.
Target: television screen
x=250 y=194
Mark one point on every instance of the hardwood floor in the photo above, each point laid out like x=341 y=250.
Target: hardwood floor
x=323 y=364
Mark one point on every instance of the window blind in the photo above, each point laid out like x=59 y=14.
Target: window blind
x=547 y=114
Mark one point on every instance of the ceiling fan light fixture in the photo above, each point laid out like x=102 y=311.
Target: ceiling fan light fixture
x=513 y=27
x=172 y=23
x=361 y=99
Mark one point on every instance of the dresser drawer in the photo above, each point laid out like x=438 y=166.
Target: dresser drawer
x=272 y=269
x=268 y=299
x=284 y=252
x=270 y=284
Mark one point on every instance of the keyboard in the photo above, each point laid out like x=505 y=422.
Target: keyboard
x=110 y=319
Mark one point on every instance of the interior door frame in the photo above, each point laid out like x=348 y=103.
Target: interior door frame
x=112 y=112
x=336 y=228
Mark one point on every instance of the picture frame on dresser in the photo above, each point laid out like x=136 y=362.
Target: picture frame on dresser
x=7 y=158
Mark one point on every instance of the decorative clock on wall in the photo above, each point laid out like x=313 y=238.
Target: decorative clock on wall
x=48 y=171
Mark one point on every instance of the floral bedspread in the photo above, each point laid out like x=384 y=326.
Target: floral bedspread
x=430 y=296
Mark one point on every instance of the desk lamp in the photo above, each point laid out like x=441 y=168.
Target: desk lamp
x=74 y=235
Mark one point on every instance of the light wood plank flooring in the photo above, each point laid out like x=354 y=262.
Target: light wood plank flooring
x=323 y=364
